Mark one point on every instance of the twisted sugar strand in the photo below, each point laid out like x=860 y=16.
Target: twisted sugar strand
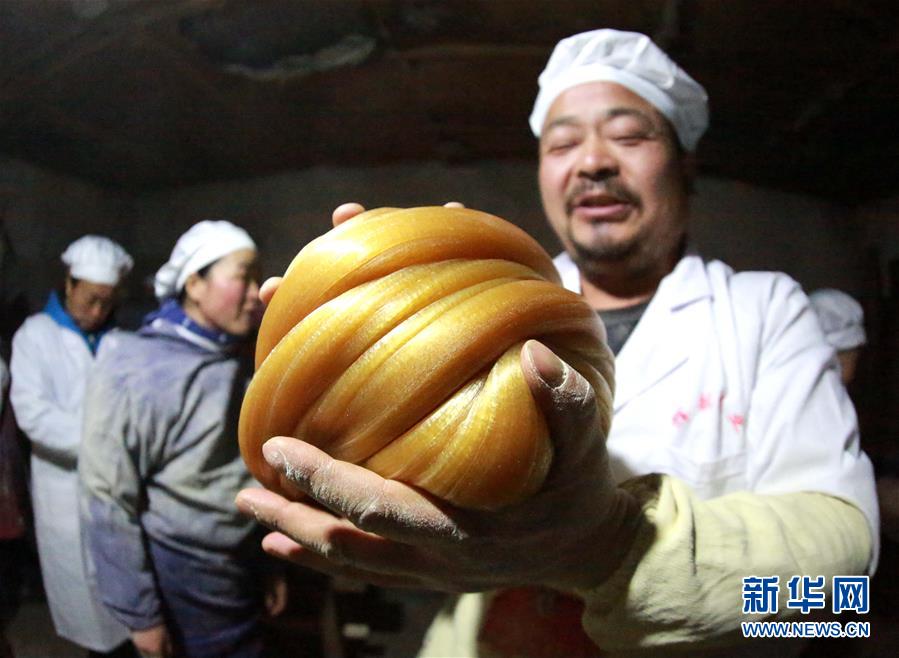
x=394 y=341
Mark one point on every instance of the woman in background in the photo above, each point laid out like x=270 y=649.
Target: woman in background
x=53 y=353
x=160 y=463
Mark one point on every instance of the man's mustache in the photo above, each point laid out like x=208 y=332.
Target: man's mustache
x=610 y=187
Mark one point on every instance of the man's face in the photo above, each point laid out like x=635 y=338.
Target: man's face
x=613 y=181
x=89 y=304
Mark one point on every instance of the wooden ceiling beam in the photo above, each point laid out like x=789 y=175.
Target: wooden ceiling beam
x=477 y=51
x=209 y=82
x=188 y=64
x=53 y=56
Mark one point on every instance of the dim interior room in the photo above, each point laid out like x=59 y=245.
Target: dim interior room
x=135 y=119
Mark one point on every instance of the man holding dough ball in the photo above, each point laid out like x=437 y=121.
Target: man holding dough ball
x=733 y=451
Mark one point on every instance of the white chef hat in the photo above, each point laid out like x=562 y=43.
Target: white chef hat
x=632 y=60
x=203 y=243
x=841 y=318
x=97 y=259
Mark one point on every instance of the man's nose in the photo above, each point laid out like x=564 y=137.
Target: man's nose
x=597 y=160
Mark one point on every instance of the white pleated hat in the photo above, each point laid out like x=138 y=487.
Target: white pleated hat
x=97 y=259
x=841 y=317
x=632 y=60
x=202 y=244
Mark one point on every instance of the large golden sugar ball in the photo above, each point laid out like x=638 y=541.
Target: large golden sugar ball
x=393 y=342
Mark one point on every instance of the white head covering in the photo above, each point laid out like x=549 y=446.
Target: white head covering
x=97 y=259
x=841 y=318
x=633 y=61
x=202 y=244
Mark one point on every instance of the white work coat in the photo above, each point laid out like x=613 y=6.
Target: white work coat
x=728 y=384
x=49 y=369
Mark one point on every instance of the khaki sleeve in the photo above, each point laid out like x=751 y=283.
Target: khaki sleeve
x=682 y=579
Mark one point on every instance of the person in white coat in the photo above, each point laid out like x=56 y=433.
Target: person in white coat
x=733 y=453
x=842 y=320
x=52 y=354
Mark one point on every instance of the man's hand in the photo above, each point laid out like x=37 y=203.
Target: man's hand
x=153 y=642
x=573 y=533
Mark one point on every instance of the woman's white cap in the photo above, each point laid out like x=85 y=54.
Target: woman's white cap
x=841 y=318
x=632 y=60
x=203 y=243
x=97 y=259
